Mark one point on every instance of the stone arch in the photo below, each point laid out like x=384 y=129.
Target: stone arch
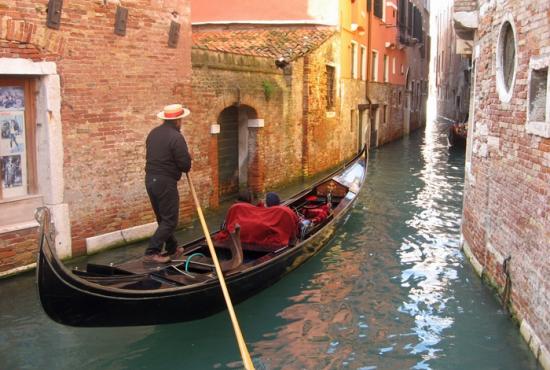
x=47 y=42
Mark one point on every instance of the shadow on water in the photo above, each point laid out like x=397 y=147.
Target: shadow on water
x=391 y=291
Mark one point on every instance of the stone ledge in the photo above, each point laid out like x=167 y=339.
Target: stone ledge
x=120 y=237
x=27 y=67
x=537 y=347
x=17 y=270
x=541 y=129
x=466 y=20
x=473 y=260
x=19 y=226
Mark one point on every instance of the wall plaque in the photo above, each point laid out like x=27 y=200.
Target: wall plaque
x=54 y=14
x=174 y=34
x=121 y=18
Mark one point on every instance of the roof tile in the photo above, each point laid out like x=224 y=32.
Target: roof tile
x=275 y=42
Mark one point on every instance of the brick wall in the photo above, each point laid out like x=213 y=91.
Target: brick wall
x=111 y=87
x=18 y=248
x=298 y=138
x=507 y=193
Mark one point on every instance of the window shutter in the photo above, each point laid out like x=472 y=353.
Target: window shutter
x=378 y=8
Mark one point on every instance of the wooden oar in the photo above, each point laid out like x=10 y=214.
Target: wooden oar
x=242 y=345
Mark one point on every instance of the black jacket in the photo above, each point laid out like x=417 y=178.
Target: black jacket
x=167 y=152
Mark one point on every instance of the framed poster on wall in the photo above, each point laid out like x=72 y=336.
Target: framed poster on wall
x=13 y=149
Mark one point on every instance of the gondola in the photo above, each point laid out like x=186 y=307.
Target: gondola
x=457 y=134
x=187 y=288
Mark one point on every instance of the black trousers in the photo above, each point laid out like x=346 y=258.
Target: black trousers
x=165 y=199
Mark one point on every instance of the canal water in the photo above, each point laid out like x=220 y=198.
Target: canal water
x=391 y=291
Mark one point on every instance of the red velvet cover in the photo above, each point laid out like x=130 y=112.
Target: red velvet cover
x=317 y=214
x=271 y=227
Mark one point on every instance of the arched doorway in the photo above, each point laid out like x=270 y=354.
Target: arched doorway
x=233 y=149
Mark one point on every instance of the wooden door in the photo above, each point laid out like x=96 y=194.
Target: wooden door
x=228 y=152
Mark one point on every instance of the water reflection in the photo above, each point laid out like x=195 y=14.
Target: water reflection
x=389 y=293
x=432 y=253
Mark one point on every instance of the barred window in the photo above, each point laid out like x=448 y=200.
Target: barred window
x=538 y=108
x=417 y=25
x=538 y=88
x=410 y=19
x=402 y=20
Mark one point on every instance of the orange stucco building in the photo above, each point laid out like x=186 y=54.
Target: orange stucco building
x=388 y=60
x=398 y=67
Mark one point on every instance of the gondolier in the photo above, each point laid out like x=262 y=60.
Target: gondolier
x=167 y=157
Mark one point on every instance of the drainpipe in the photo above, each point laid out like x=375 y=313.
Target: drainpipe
x=305 y=122
x=369 y=55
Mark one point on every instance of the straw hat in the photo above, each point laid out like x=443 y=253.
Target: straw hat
x=173 y=111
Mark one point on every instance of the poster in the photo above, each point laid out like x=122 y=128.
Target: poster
x=12 y=172
x=12 y=98
x=12 y=133
x=13 y=154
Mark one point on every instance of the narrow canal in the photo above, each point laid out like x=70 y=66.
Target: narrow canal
x=391 y=291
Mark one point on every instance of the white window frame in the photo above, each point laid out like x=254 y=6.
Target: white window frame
x=393 y=65
x=386 y=68
x=375 y=63
x=504 y=94
x=363 y=62
x=539 y=128
x=354 y=69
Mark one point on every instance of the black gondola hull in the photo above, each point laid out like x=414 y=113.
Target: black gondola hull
x=76 y=305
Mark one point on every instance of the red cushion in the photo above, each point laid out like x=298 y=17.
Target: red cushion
x=272 y=227
x=317 y=214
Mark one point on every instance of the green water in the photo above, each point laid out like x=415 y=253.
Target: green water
x=391 y=291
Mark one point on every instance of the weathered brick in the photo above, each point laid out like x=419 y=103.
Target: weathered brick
x=112 y=86
x=507 y=195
